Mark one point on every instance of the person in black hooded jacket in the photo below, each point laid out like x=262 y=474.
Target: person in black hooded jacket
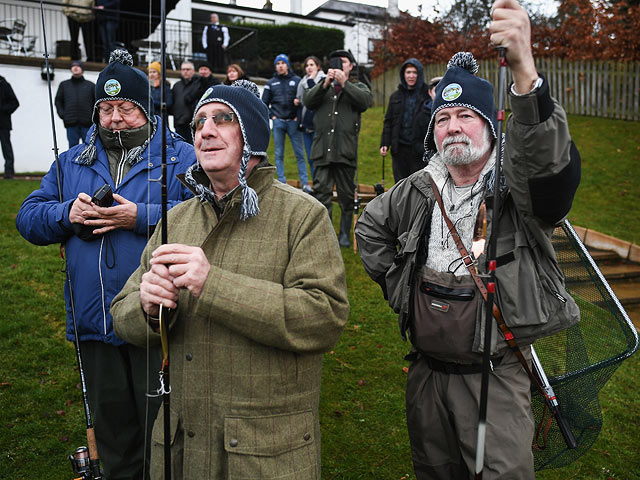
x=402 y=133
x=8 y=104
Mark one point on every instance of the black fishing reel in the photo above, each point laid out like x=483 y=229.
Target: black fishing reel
x=83 y=466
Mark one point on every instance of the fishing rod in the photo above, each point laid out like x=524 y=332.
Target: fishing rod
x=165 y=383
x=85 y=460
x=491 y=269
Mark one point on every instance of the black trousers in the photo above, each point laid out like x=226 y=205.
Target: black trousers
x=118 y=379
x=7 y=151
x=215 y=57
x=405 y=161
x=88 y=35
x=340 y=175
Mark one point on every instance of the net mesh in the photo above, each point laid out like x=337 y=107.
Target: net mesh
x=579 y=361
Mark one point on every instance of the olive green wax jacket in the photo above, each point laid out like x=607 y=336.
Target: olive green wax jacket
x=246 y=356
x=336 y=121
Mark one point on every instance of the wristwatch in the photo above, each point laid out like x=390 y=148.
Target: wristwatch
x=535 y=86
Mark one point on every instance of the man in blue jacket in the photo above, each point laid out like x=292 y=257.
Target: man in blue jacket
x=279 y=95
x=103 y=247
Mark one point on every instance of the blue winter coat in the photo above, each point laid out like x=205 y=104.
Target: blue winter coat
x=279 y=94
x=99 y=268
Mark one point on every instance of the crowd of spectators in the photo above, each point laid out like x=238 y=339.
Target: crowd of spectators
x=251 y=304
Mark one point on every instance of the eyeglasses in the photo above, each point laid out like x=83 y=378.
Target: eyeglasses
x=125 y=111
x=220 y=119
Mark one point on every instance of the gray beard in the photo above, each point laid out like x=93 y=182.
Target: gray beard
x=463 y=155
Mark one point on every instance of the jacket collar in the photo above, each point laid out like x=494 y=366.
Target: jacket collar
x=124 y=138
x=259 y=179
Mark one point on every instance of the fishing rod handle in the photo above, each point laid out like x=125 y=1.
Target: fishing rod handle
x=552 y=401
x=565 y=429
x=91 y=444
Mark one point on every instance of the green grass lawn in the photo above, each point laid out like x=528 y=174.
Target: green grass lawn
x=362 y=403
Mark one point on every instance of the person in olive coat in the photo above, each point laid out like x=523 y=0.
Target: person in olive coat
x=338 y=103
x=253 y=305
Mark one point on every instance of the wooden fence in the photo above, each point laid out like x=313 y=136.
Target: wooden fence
x=597 y=88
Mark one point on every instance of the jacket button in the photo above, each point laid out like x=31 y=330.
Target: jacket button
x=307 y=436
x=191 y=433
x=189 y=357
x=336 y=113
x=150 y=164
x=328 y=149
x=173 y=159
x=233 y=442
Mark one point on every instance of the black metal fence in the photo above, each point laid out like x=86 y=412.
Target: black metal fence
x=21 y=33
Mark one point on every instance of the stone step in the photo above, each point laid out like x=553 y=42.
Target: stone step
x=628 y=293
x=634 y=314
x=604 y=256
x=621 y=271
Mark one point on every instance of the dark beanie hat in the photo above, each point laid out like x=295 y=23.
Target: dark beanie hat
x=121 y=81
x=243 y=97
x=343 y=53
x=460 y=87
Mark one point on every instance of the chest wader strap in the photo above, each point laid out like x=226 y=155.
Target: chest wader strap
x=470 y=264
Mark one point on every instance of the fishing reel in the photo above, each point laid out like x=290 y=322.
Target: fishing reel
x=83 y=466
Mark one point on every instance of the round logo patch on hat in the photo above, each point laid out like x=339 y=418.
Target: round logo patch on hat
x=451 y=92
x=112 y=87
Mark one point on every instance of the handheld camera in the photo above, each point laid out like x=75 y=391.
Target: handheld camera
x=103 y=196
x=335 y=62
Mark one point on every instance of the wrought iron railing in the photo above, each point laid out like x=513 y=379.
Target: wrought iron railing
x=21 y=34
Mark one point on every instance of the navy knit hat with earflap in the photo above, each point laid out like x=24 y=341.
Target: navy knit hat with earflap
x=243 y=97
x=120 y=81
x=460 y=87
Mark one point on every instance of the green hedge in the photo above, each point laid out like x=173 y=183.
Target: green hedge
x=298 y=41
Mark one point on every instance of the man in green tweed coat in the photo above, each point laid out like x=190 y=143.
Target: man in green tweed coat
x=255 y=281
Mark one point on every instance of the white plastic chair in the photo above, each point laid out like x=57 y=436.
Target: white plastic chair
x=12 y=35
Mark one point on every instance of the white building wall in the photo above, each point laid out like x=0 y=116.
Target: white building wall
x=31 y=136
